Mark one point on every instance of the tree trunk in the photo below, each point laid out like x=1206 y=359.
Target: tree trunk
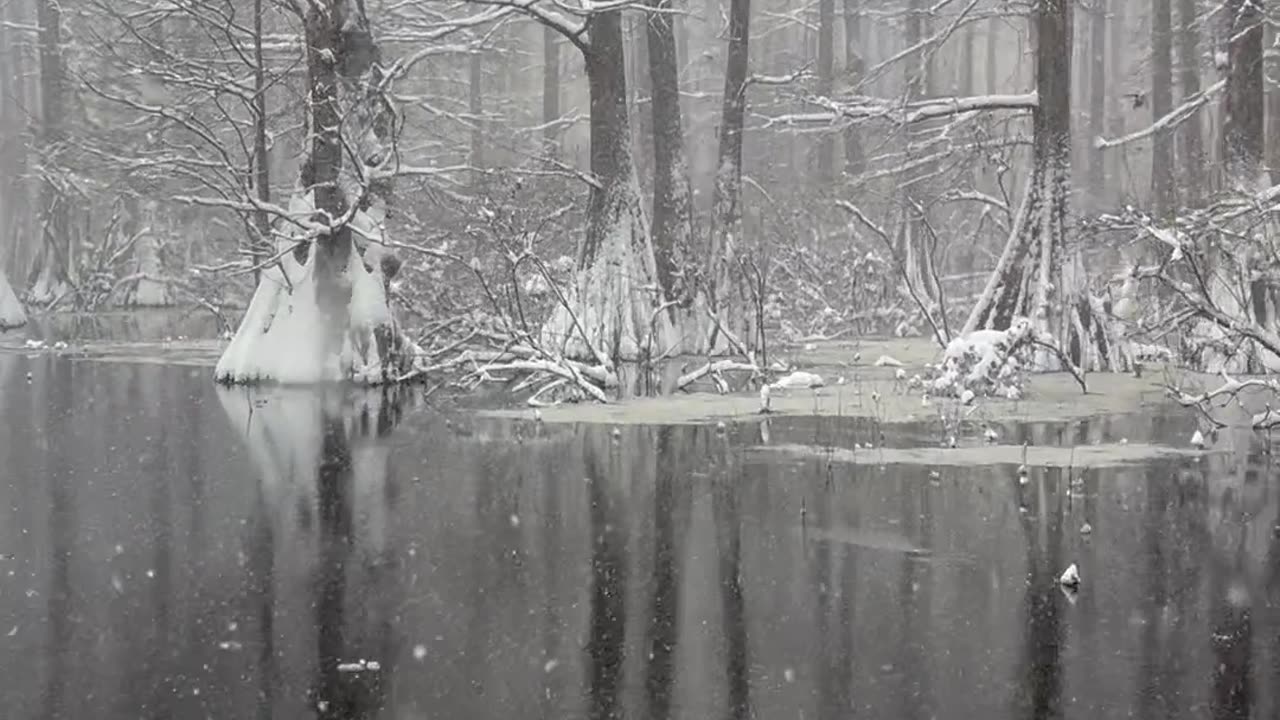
x=1272 y=80
x=52 y=269
x=854 y=157
x=672 y=196
x=913 y=244
x=1097 y=105
x=1190 y=134
x=475 y=108
x=1163 y=198
x=729 y=291
x=321 y=313
x=610 y=315
x=550 y=90
x=638 y=82
x=1242 y=133
x=1037 y=277
x=261 y=158
x=826 y=146
x=1119 y=66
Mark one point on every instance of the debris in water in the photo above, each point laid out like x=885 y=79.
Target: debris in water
x=1197 y=440
x=1124 y=441
x=990 y=434
x=617 y=434
x=35 y=344
x=810 y=347
x=552 y=664
x=935 y=475
x=901 y=374
x=1086 y=529
x=14 y=631
x=231 y=645
x=799 y=379
x=952 y=442
x=967 y=396
x=789 y=675
x=721 y=427
x=359 y=666
x=151 y=573
x=419 y=652
x=60 y=345
x=1070 y=577
x=515 y=520
x=888 y=361
x=537 y=415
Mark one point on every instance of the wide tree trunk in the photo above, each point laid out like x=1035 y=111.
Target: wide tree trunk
x=1163 y=198
x=51 y=274
x=1242 y=132
x=730 y=295
x=609 y=314
x=855 y=159
x=1037 y=276
x=321 y=313
x=672 y=196
x=913 y=244
x=1191 y=132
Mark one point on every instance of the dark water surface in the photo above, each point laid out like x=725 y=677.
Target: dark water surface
x=172 y=550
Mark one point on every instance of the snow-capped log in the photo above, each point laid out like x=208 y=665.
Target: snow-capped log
x=1038 y=276
x=11 y=312
x=320 y=311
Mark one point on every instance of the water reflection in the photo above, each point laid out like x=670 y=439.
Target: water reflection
x=169 y=549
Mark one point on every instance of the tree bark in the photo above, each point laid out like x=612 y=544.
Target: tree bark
x=913 y=246
x=728 y=289
x=1242 y=133
x=475 y=108
x=672 y=196
x=1037 y=277
x=52 y=270
x=261 y=160
x=1190 y=134
x=1097 y=104
x=550 y=90
x=826 y=146
x=1118 y=67
x=854 y=157
x=1163 y=198
x=1272 y=80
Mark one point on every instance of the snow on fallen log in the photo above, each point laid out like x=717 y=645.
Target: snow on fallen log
x=11 y=312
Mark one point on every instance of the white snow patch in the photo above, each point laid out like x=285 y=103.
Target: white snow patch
x=284 y=336
x=985 y=363
x=798 y=379
x=11 y=312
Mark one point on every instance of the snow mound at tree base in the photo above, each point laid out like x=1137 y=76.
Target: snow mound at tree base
x=986 y=363
x=287 y=337
x=11 y=312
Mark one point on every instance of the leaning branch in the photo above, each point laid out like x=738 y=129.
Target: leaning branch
x=869 y=108
x=1167 y=121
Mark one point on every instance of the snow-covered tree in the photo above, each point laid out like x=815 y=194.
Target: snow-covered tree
x=1040 y=275
x=320 y=312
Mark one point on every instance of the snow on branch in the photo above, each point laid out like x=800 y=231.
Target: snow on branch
x=867 y=108
x=1168 y=121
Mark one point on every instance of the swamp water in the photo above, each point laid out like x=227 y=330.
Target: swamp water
x=172 y=549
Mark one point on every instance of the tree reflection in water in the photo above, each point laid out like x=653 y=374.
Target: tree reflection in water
x=320 y=449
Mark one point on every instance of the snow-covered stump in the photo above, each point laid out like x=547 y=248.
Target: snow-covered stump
x=312 y=321
x=11 y=313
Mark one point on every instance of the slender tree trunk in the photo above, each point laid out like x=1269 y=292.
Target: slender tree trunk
x=854 y=156
x=53 y=266
x=1118 y=66
x=913 y=245
x=672 y=196
x=1037 y=276
x=261 y=158
x=1097 y=104
x=826 y=146
x=1272 y=81
x=993 y=41
x=550 y=90
x=475 y=108
x=1242 y=134
x=1191 y=133
x=641 y=95
x=728 y=289
x=1163 y=198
